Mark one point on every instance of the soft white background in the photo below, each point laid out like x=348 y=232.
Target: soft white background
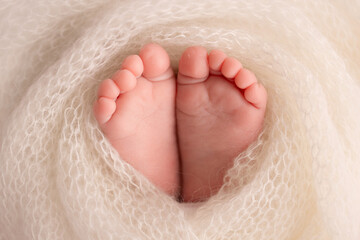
x=60 y=179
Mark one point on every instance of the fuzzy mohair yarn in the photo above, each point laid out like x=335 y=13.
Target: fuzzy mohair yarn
x=61 y=179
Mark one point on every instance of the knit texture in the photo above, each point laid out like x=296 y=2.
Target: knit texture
x=61 y=179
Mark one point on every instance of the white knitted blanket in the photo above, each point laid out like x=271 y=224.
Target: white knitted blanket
x=61 y=179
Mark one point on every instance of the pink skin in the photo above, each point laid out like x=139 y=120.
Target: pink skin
x=135 y=110
x=215 y=121
x=218 y=109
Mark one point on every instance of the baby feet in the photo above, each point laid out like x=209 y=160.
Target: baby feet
x=135 y=110
x=219 y=111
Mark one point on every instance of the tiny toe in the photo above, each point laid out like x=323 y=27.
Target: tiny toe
x=125 y=80
x=104 y=109
x=230 y=67
x=216 y=60
x=134 y=64
x=193 y=65
x=245 y=78
x=108 y=89
x=256 y=95
x=156 y=62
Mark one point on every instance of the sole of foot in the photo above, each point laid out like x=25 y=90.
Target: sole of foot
x=220 y=108
x=135 y=109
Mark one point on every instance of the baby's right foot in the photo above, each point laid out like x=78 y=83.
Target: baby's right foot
x=135 y=110
x=220 y=110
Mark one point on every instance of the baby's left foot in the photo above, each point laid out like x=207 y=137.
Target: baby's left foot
x=135 y=110
x=220 y=110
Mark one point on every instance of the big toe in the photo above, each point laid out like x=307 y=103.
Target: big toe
x=193 y=66
x=156 y=62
